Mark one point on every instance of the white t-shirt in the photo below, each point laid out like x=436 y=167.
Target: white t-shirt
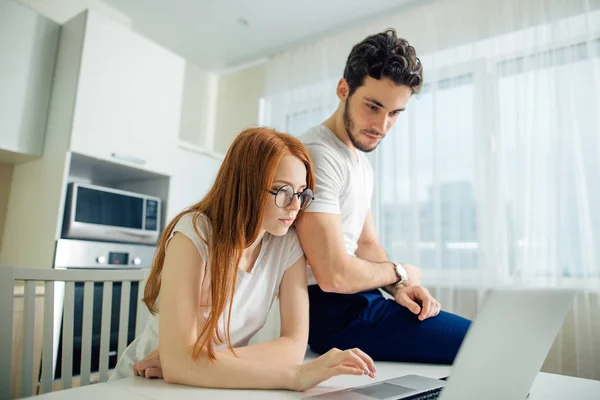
x=344 y=184
x=252 y=300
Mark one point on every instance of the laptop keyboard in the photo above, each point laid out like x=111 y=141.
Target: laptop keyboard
x=431 y=395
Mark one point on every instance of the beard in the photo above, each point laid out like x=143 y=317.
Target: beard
x=350 y=126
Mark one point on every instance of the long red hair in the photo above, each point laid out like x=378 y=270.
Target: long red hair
x=234 y=206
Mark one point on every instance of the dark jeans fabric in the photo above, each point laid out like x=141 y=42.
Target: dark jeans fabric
x=382 y=328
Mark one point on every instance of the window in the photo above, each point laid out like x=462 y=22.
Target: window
x=426 y=177
x=552 y=211
x=495 y=166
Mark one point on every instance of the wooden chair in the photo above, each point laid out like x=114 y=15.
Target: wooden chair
x=56 y=283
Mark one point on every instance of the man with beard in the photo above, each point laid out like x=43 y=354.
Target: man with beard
x=347 y=263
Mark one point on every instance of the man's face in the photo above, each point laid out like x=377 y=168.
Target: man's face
x=372 y=111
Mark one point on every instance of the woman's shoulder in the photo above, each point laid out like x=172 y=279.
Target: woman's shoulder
x=189 y=220
x=197 y=228
x=286 y=248
x=289 y=239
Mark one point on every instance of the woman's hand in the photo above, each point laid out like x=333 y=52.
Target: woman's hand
x=149 y=367
x=334 y=362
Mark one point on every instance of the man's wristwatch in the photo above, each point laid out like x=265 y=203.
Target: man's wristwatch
x=400 y=272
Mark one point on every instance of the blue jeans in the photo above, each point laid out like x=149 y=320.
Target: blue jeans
x=381 y=328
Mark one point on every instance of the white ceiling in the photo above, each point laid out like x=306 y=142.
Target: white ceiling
x=207 y=32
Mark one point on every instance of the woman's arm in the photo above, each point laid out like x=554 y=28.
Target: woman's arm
x=179 y=328
x=290 y=347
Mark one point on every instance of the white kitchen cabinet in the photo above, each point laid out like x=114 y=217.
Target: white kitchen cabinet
x=199 y=107
x=127 y=105
x=28 y=44
x=115 y=97
x=193 y=175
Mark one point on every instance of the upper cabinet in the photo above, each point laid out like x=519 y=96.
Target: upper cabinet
x=28 y=45
x=127 y=93
x=198 y=110
x=193 y=176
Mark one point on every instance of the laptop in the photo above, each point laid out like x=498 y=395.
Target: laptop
x=500 y=357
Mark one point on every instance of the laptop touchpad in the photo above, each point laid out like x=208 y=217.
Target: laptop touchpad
x=383 y=390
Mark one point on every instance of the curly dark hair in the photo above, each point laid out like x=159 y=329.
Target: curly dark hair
x=384 y=55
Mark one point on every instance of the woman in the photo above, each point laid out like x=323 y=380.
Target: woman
x=219 y=266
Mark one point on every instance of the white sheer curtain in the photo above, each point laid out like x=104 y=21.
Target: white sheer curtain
x=492 y=177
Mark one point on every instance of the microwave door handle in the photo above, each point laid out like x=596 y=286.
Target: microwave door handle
x=138 y=234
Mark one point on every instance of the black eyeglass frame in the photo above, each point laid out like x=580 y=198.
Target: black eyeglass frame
x=301 y=195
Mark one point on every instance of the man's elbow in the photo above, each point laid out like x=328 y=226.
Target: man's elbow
x=330 y=275
x=334 y=284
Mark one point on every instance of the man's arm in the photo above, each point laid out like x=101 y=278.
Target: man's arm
x=336 y=271
x=322 y=238
x=409 y=294
x=369 y=248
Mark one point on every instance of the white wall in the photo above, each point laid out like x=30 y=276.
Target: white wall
x=5 y=180
x=237 y=104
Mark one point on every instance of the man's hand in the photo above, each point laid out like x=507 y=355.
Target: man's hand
x=418 y=300
x=414 y=275
x=149 y=367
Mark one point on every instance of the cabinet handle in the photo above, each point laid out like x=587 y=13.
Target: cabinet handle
x=128 y=158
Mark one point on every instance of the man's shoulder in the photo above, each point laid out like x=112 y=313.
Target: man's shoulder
x=317 y=135
x=321 y=144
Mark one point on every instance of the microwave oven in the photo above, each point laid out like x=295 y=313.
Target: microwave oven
x=100 y=213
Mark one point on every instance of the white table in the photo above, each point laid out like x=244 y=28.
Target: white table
x=545 y=387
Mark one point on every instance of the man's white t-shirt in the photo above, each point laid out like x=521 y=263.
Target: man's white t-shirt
x=252 y=300
x=344 y=184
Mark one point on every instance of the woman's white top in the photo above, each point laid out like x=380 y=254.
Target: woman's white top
x=252 y=300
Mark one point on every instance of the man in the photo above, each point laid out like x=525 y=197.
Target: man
x=337 y=233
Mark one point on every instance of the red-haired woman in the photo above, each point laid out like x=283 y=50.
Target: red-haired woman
x=218 y=267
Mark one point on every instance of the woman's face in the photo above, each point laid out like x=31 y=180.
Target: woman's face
x=292 y=172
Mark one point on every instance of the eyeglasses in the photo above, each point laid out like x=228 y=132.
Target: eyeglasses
x=285 y=194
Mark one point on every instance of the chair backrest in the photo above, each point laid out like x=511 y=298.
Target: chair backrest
x=59 y=289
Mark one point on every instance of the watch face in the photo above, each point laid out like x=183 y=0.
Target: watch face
x=401 y=272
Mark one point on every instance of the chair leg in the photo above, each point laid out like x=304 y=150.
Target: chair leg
x=7 y=294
